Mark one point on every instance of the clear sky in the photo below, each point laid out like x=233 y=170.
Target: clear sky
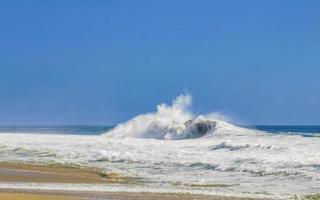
x=103 y=62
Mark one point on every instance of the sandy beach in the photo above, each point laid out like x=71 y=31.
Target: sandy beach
x=34 y=195
x=23 y=196
x=14 y=172
x=26 y=173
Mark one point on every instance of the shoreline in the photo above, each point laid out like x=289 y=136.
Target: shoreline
x=78 y=195
x=34 y=196
x=55 y=173
x=25 y=173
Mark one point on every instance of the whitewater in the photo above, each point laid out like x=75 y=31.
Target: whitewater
x=158 y=150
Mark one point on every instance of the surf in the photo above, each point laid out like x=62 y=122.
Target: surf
x=173 y=122
x=176 y=148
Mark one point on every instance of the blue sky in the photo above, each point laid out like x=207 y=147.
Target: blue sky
x=103 y=62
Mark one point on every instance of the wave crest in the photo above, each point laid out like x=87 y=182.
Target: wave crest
x=170 y=122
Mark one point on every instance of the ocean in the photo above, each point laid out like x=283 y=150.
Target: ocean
x=163 y=154
x=303 y=130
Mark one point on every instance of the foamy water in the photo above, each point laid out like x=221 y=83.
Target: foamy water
x=154 y=147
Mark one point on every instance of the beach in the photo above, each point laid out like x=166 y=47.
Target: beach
x=168 y=154
x=232 y=163
x=31 y=173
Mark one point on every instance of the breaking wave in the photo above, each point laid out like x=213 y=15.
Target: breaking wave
x=174 y=122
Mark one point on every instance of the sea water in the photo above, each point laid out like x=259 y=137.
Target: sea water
x=272 y=161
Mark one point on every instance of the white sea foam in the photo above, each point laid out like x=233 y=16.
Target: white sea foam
x=132 y=188
x=153 y=147
x=168 y=122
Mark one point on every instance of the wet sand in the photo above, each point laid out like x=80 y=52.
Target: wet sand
x=22 y=173
x=63 y=195
x=16 y=172
x=21 y=196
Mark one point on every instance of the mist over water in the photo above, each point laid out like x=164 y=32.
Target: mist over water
x=160 y=149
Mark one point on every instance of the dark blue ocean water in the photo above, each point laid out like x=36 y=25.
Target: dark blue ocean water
x=71 y=130
x=307 y=131
x=310 y=131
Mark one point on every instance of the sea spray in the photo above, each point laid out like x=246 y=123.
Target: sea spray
x=170 y=122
